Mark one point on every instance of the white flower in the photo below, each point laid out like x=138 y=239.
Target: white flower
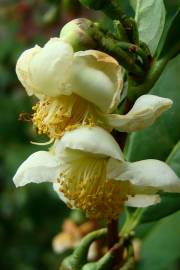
x=88 y=171
x=55 y=70
x=80 y=88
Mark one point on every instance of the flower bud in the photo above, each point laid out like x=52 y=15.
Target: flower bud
x=94 y=4
x=79 y=256
x=76 y=34
x=67 y=263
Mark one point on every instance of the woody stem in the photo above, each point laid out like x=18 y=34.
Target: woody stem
x=113 y=236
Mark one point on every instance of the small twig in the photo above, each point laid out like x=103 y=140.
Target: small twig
x=114 y=11
x=113 y=236
x=112 y=47
x=132 y=48
x=129 y=264
x=120 y=33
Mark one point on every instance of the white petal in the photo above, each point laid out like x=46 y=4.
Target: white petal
x=37 y=168
x=22 y=68
x=56 y=187
x=97 y=78
x=90 y=139
x=147 y=173
x=49 y=69
x=143 y=114
x=142 y=200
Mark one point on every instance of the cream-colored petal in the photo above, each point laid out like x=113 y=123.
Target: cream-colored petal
x=143 y=114
x=94 y=140
x=97 y=77
x=22 y=68
x=142 y=200
x=146 y=173
x=37 y=168
x=56 y=187
x=49 y=69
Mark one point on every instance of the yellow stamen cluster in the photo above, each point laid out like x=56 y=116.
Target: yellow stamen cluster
x=91 y=191
x=53 y=116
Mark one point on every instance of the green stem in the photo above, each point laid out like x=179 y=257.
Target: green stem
x=146 y=49
x=131 y=222
x=79 y=256
x=112 y=47
x=153 y=75
x=134 y=91
x=113 y=10
x=120 y=33
x=136 y=50
x=111 y=258
x=113 y=236
x=129 y=264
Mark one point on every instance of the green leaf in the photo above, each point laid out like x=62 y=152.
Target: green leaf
x=170 y=203
x=133 y=4
x=158 y=140
x=161 y=141
x=150 y=18
x=170 y=39
x=160 y=248
x=174 y=159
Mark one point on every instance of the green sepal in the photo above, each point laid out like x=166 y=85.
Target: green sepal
x=107 y=262
x=67 y=263
x=79 y=257
x=76 y=33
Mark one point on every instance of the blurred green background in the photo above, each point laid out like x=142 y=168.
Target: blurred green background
x=32 y=215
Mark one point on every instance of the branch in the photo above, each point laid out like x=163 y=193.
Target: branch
x=129 y=264
x=112 y=47
x=153 y=75
x=113 y=10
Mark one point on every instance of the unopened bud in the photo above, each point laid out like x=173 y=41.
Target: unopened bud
x=77 y=35
x=67 y=264
x=78 y=259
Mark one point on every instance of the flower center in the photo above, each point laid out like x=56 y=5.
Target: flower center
x=52 y=116
x=83 y=182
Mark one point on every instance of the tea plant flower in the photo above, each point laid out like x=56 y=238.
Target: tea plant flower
x=88 y=170
x=80 y=88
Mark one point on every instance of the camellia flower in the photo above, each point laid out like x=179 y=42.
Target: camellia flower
x=88 y=170
x=81 y=88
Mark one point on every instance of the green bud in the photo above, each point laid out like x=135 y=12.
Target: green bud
x=105 y=263
x=94 y=4
x=79 y=257
x=76 y=33
x=90 y=266
x=67 y=264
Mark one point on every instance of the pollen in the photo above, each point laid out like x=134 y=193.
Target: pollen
x=54 y=116
x=90 y=191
